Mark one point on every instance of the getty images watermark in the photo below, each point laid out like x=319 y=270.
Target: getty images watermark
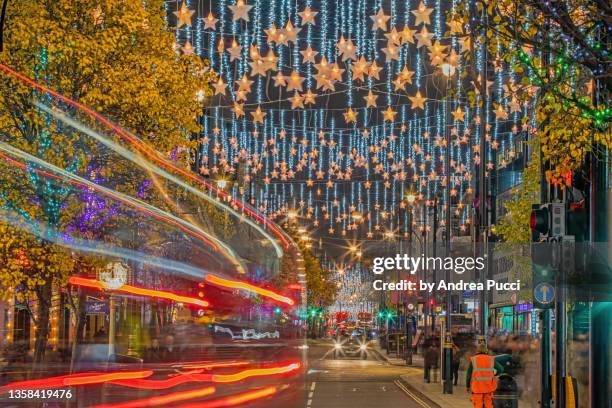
x=459 y=265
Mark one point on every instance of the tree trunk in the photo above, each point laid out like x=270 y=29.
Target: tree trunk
x=80 y=320
x=43 y=295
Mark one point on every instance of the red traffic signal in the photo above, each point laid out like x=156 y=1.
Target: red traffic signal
x=538 y=220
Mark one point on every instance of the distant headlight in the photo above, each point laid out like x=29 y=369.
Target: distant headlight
x=363 y=347
x=337 y=346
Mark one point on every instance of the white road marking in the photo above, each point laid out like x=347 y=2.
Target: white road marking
x=311 y=393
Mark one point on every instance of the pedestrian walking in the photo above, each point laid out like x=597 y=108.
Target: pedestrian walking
x=455 y=363
x=432 y=355
x=480 y=378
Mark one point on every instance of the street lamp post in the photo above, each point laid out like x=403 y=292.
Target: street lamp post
x=448 y=70
x=410 y=198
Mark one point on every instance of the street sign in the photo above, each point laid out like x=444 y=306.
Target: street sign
x=544 y=293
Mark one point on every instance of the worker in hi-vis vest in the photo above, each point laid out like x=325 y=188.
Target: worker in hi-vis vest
x=481 y=377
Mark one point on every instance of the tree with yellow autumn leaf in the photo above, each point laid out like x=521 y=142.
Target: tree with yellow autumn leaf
x=118 y=57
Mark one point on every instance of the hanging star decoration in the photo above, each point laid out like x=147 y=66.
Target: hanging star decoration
x=258 y=115
x=338 y=127
x=210 y=22
x=380 y=20
x=422 y=14
x=308 y=16
x=418 y=101
x=240 y=11
x=183 y=16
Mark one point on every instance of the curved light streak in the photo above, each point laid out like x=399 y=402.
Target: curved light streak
x=146 y=384
x=134 y=290
x=155 y=156
x=75 y=379
x=162 y=263
x=162 y=400
x=235 y=284
x=233 y=400
x=145 y=207
x=254 y=372
x=157 y=170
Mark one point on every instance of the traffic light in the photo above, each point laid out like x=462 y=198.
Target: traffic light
x=577 y=224
x=547 y=220
x=277 y=310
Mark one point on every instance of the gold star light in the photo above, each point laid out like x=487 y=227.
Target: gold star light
x=391 y=52
x=418 y=101
x=220 y=87
x=423 y=37
x=272 y=33
x=258 y=115
x=360 y=68
x=271 y=60
x=244 y=84
x=183 y=16
x=290 y=33
x=240 y=11
x=370 y=99
x=374 y=70
x=380 y=20
x=295 y=82
x=210 y=22
x=347 y=49
x=458 y=114
x=258 y=67
x=280 y=79
x=308 y=16
x=407 y=35
x=297 y=101
x=309 y=98
x=234 y=51
x=500 y=113
x=406 y=75
x=309 y=55
x=188 y=48
x=437 y=53
x=238 y=110
x=394 y=37
x=455 y=26
x=422 y=14
x=350 y=116
x=389 y=114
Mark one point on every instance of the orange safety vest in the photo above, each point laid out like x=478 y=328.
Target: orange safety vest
x=483 y=374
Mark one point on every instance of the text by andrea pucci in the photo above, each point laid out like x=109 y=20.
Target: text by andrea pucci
x=402 y=263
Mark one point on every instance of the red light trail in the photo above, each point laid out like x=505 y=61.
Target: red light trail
x=95 y=284
x=233 y=400
x=254 y=372
x=234 y=284
x=75 y=379
x=162 y=400
x=183 y=378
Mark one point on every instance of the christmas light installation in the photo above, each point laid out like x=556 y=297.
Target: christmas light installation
x=349 y=108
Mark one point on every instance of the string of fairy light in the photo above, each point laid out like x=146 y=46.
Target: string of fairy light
x=333 y=108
